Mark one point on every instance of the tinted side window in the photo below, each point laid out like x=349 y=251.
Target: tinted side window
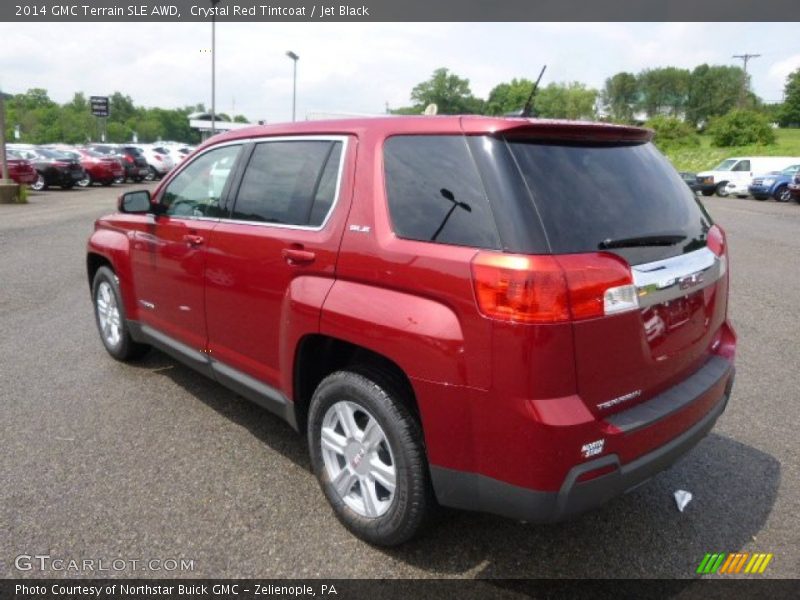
x=289 y=182
x=742 y=165
x=435 y=193
x=196 y=191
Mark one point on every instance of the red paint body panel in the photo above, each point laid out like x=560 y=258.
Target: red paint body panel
x=21 y=171
x=514 y=402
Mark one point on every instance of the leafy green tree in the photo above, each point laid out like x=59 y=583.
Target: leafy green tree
x=448 y=91
x=508 y=97
x=120 y=107
x=118 y=133
x=620 y=96
x=566 y=101
x=713 y=91
x=790 y=112
x=33 y=99
x=663 y=91
x=741 y=128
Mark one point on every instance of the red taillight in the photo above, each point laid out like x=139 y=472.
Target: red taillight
x=599 y=284
x=716 y=240
x=549 y=289
x=128 y=158
x=525 y=289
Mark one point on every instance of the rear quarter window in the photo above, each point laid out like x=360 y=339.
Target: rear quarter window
x=434 y=192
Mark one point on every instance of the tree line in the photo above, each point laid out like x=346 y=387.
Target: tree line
x=662 y=97
x=695 y=96
x=40 y=120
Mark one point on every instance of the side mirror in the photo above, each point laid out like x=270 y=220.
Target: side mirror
x=135 y=203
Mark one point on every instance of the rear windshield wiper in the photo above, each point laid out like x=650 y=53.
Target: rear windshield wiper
x=644 y=240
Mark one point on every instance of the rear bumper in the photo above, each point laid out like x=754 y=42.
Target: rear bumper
x=24 y=177
x=473 y=491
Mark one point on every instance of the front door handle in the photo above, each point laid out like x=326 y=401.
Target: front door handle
x=194 y=240
x=298 y=256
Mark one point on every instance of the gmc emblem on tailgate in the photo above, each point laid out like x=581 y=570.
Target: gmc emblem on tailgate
x=690 y=280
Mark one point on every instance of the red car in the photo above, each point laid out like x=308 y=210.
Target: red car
x=19 y=169
x=522 y=317
x=794 y=188
x=99 y=168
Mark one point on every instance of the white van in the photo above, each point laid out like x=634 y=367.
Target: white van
x=740 y=170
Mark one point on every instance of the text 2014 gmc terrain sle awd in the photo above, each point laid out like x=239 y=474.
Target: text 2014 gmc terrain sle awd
x=516 y=316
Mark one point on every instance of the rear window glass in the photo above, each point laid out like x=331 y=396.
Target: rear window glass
x=588 y=196
x=435 y=193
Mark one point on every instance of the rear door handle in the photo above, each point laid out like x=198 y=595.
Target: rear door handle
x=298 y=256
x=193 y=240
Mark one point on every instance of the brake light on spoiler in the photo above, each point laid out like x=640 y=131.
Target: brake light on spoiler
x=552 y=289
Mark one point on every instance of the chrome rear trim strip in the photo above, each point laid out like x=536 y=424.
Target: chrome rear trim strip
x=671 y=278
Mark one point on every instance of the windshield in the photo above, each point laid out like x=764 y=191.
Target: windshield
x=55 y=154
x=725 y=165
x=601 y=196
x=789 y=171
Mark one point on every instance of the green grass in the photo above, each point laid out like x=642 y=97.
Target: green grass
x=706 y=156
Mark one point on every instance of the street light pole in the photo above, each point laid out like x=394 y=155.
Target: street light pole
x=294 y=58
x=214 y=67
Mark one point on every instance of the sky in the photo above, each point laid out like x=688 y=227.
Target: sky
x=360 y=67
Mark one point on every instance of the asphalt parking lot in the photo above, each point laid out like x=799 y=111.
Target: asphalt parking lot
x=151 y=461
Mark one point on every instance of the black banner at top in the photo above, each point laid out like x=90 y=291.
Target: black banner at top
x=397 y=10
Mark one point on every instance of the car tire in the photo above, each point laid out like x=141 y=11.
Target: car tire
x=107 y=182
x=707 y=192
x=138 y=179
x=85 y=182
x=109 y=314
x=782 y=194
x=119 y=180
x=347 y=408
x=722 y=189
x=151 y=175
x=67 y=186
x=40 y=184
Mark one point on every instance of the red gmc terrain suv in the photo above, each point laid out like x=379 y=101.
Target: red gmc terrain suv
x=522 y=317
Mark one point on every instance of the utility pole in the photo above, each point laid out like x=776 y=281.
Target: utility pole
x=745 y=58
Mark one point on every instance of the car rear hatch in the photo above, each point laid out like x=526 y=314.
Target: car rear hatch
x=618 y=210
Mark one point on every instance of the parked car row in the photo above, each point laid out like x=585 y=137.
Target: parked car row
x=761 y=177
x=67 y=166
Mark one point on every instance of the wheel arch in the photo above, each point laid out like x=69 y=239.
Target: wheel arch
x=319 y=355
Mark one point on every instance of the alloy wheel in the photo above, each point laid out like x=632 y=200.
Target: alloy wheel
x=108 y=315
x=358 y=459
